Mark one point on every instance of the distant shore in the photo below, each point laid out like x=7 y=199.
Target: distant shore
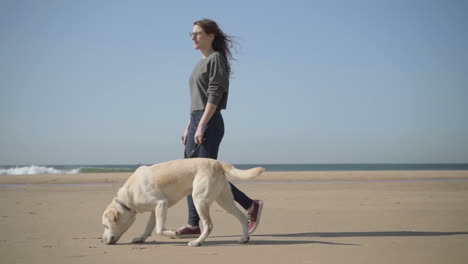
x=121 y=177
x=118 y=168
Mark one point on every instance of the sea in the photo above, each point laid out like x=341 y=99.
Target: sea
x=74 y=169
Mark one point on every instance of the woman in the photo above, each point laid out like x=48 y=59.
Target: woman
x=209 y=87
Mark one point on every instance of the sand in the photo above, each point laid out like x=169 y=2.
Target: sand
x=309 y=217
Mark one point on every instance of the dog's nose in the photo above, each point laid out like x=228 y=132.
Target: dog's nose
x=108 y=241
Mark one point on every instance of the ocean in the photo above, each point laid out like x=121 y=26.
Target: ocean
x=73 y=169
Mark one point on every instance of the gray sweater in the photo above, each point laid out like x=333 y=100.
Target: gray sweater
x=209 y=83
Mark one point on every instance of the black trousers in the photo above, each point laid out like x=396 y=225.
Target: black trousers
x=214 y=133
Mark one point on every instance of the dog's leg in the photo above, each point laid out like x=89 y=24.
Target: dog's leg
x=161 y=214
x=148 y=230
x=202 y=204
x=226 y=201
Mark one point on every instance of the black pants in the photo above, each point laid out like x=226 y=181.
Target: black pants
x=214 y=133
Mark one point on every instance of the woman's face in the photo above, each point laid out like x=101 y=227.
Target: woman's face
x=201 y=40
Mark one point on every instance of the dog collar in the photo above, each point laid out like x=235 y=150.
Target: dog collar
x=124 y=206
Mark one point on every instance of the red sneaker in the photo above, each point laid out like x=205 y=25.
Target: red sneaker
x=187 y=232
x=254 y=216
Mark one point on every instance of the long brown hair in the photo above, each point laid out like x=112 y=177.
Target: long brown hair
x=222 y=42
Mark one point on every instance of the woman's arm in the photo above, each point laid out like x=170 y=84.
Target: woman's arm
x=209 y=111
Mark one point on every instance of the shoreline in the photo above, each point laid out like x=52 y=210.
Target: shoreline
x=10 y=185
x=275 y=176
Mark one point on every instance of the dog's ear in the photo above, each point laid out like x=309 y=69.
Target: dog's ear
x=113 y=216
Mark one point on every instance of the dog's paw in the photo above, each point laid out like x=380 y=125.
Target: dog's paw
x=244 y=240
x=138 y=240
x=194 y=243
x=172 y=234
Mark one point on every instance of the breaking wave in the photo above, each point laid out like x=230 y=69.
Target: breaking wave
x=29 y=170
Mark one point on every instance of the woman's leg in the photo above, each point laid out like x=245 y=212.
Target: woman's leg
x=209 y=149
x=240 y=197
x=214 y=134
x=193 y=217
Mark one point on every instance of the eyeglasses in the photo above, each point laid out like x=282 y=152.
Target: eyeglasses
x=191 y=34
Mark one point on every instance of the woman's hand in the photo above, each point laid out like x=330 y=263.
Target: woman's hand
x=199 y=134
x=207 y=114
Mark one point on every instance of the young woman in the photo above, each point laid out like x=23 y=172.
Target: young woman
x=209 y=88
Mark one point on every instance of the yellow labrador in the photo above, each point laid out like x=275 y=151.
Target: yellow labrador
x=156 y=188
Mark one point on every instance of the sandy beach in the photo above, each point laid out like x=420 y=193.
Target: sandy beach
x=309 y=217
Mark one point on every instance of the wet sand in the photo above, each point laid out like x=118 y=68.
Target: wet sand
x=309 y=217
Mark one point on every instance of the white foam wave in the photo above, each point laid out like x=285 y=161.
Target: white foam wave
x=29 y=170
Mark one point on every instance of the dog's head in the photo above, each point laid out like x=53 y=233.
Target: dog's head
x=116 y=221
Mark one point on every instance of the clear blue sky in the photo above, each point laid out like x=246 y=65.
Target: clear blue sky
x=93 y=82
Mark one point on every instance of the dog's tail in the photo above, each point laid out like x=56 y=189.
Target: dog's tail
x=232 y=171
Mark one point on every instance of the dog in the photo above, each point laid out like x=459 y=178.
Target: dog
x=158 y=187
